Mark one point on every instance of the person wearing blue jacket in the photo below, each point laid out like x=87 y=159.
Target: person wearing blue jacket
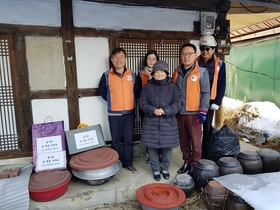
x=217 y=77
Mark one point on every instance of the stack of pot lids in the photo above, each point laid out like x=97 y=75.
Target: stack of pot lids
x=49 y=185
x=95 y=164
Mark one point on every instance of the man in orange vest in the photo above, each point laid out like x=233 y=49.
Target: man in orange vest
x=195 y=95
x=118 y=87
x=217 y=76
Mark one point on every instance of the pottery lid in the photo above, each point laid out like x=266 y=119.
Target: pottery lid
x=228 y=162
x=160 y=196
x=268 y=153
x=207 y=165
x=94 y=159
x=49 y=180
x=249 y=155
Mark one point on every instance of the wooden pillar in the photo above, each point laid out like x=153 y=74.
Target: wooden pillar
x=70 y=62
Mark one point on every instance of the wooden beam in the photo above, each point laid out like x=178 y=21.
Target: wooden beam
x=70 y=62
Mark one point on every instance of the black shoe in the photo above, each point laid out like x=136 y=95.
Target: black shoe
x=157 y=175
x=165 y=174
x=190 y=172
x=131 y=169
x=148 y=161
x=184 y=169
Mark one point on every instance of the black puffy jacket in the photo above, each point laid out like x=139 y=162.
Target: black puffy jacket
x=160 y=131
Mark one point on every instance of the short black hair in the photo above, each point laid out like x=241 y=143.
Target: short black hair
x=114 y=52
x=188 y=45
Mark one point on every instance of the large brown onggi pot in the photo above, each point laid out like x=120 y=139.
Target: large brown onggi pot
x=270 y=160
x=203 y=172
x=229 y=165
x=250 y=161
x=215 y=195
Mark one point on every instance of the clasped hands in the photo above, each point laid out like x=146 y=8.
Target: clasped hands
x=159 y=112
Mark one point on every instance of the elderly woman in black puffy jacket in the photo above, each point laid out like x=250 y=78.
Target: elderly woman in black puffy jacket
x=160 y=101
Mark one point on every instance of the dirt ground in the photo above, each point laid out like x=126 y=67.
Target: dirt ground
x=194 y=202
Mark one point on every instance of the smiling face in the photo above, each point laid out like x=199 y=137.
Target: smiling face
x=159 y=75
x=151 y=60
x=119 y=60
x=188 y=56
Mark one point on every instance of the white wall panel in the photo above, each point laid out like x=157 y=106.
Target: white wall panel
x=56 y=108
x=93 y=110
x=92 y=57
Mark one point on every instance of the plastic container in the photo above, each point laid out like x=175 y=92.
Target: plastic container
x=47 y=186
x=160 y=196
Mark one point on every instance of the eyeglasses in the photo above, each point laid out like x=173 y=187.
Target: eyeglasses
x=204 y=48
x=189 y=54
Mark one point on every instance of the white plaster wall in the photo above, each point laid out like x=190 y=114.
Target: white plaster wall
x=93 y=110
x=30 y=12
x=45 y=63
x=92 y=60
x=92 y=56
x=118 y=17
x=57 y=109
x=97 y=15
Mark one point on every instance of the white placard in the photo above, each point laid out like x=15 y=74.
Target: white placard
x=49 y=144
x=86 y=139
x=50 y=161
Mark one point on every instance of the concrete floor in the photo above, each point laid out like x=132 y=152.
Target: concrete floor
x=121 y=187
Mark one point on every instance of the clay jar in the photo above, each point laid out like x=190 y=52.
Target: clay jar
x=234 y=202
x=250 y=161
x=215 y=195
x=203 y=172
x=229 y=165
x=270 y=160
x=185 y=182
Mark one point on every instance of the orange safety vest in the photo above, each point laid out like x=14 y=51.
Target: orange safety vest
x=192 y=88
x=144 y=77
x=215 y=77
x=121 y=91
